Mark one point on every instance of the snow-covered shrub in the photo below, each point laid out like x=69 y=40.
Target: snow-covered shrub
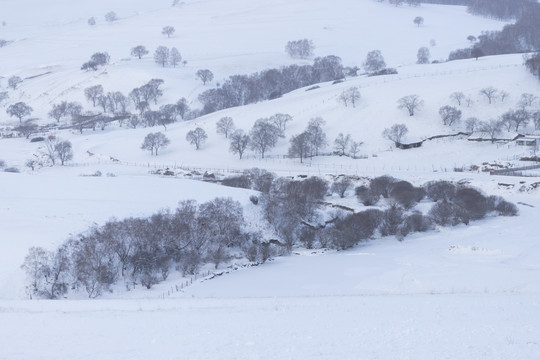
x=405 y=194
x=440 y=190
x=366 y=196
x=240 y=181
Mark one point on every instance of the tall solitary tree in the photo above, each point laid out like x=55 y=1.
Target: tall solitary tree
x=239 y=142
x=196 y=137
x=395 y=133
x=264 y=136
x=422 y=57
x=225 y=126
x=411 y=103
x=19 y=110
x=168 y=30
x=139 y=51
x=374 y=61
x=205 y=75
x=64 y=151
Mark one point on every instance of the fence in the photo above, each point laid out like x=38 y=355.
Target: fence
x=516 y=171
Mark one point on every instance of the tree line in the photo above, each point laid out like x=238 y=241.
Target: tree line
x=143 y=251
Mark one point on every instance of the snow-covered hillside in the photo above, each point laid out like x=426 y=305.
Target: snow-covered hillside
x=468 y=292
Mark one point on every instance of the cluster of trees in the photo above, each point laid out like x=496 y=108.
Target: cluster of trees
x=302 y=49
x=533 y=64
x=96 y=60
x=54 y=149
x=240 y=90
x=162 y=55
x=165 y=56
x=143 y=251
x=401 y=2
x=522 y=36
x=499 y=9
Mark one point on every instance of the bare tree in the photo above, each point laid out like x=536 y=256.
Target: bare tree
x=472 y=124
x=58 y=111
x=355 y=148
x=205 y=75
x=239 y=142
x=374 y=61
x=503 y=95
x=395 y=133
x=527 y=100
x=264 y=136
x=458 y=97
x=411 y=103
x=175 y=57
x=422 y=56
x=300 y=146
x=63 y=150
x=491 y=128
x=281 y=120
x=154 y=142
x=161 y=55
x=19 y=110
x=139 y=51
x=93 y=93
x=489 y=92
x=196 y=137
x=418 y=21
x=49 y=150
x=341 y=144
x=341 y=185
x=168 y=30
x=225 y=125
x=14 y=81
x=317 y=135
x=350 y=96
x=26 y=129
x=450 y=115
x=516 y=118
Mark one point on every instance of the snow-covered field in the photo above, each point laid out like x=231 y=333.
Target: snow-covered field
x=470 y=292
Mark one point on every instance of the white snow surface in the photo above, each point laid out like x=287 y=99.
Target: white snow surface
x=470 y=292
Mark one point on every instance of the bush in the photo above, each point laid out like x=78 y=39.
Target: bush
x=415 y=223
x=391 y=221
x=241 y=181
x=501 y=207
x=440 y=190
x=381 y=185
x=254 y=199
x=473 y=203
x=37 y=139
x=366 y=196
x=386 y=71
x=445 y=213
x=11 y=169
x=261 y=179
x=2 y=164
x=405 y=194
